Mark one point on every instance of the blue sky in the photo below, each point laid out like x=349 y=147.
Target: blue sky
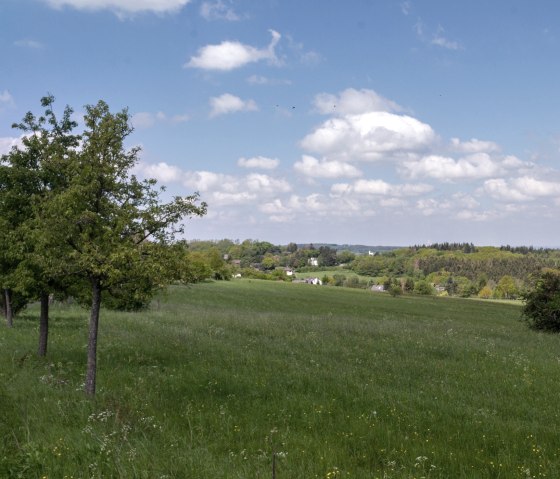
x=359 y=121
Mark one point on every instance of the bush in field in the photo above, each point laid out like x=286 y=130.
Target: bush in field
x=395 y=290
x=485 y=293
x=542 y=304
x=423 y=287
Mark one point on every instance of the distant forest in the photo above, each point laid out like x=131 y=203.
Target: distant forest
x=461 y=269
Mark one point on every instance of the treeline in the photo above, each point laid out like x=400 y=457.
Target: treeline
x=445 y=268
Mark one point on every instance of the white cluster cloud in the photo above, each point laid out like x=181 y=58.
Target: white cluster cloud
x=366 y=140
x=259 y=162
x=520 y=189
x=314 y=168
x=122 y=6
x=230 y=55
x=352 y=102
x=144 y=119
x=369 y=136
x=479 y=165
x=474 y=146
x=7 y=143
x=228 y=103
x=365 y=126
x=218 y=188
x=379 y=188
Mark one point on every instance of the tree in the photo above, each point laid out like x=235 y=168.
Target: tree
x=506 y=288
x=542 y=305
x=27 y=174
x=345 y=256
x=105 y=222
x=327 y=256
x=292 y=247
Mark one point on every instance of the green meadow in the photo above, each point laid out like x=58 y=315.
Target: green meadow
x=254 y=379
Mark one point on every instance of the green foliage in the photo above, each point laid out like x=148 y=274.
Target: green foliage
x=542 y=304
x=506 y=288
x=485 y=293
x=395 y=290
x=423 y=287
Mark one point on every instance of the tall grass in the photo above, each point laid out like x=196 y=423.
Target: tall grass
x=218 y=378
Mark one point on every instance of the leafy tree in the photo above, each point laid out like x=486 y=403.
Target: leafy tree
x=542 y=305
x=506 y=288
x=104 y=221
x=292 y=247
x=27 y=175
x=193 y=267
x=327 y=256
x=345 y=257
x=485 y=293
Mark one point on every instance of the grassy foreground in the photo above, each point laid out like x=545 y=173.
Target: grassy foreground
x=218 y=378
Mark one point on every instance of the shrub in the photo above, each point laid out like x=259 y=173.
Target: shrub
x=542 y=304
x=395 y=290
x=423 y=287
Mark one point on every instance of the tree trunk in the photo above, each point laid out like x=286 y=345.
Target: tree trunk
x=44 y=325
x=92 y=341
x=8 y=306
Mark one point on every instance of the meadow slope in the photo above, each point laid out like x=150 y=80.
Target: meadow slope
x=217 y=378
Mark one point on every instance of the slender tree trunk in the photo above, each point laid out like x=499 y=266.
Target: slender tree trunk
x=43 y=324
x=92 y=341
x=8 y=306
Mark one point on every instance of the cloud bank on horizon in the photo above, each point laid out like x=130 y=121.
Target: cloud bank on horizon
x=325 y=141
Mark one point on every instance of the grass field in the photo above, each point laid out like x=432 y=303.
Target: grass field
x=218 y=378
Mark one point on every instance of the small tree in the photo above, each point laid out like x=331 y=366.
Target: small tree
x=542 y=304
x=106 y=224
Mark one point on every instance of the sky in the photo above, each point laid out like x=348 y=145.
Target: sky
x=377 y=122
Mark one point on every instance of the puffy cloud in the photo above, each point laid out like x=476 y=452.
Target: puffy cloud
x=310 y=166
x=238 y=198
x=474 y=146
x=147 y=120
x=525 y=188
x=160 y=171
x=218 y=11
x=230 y=55
x=260 y=162
x=228 y=103
x=259 y=182
x=206 y=180
x=479 y=165
x=380 y=188
x=122 y=7
x=369 y=136
x=352 y=101
x=7 y=143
